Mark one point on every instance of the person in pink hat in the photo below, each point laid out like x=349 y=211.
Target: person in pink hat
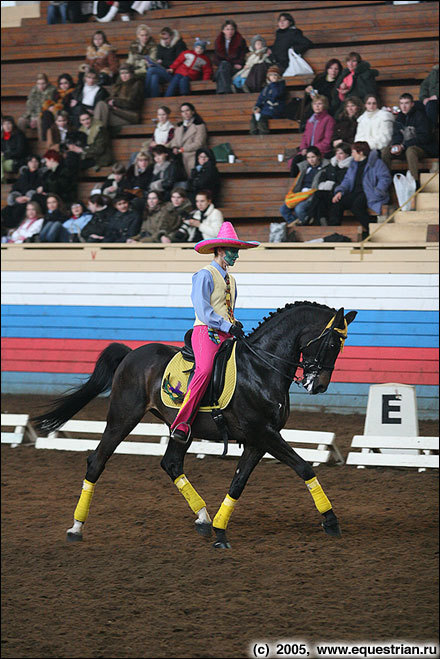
x=213 y=295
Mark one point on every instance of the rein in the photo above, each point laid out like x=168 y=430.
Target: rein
x=249 y=347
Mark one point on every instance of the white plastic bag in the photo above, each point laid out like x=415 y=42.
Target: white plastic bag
x=405 y=187
x=277 y=232
x=297 y=65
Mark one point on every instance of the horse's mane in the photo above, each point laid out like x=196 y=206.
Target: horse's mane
x=287 y=307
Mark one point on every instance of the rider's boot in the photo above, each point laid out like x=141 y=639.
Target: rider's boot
x=181 y=433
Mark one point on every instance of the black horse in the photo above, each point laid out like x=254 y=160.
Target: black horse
x=267 y=361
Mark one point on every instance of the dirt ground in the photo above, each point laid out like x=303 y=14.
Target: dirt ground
x=144 y=584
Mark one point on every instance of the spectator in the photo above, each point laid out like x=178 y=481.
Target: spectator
x=57 y=133
x=189 y=136
x=412 y=138
x=346 y=121
x=79 y=12
x=189 y=65
x=30 y=226
x=181 y=208
x=58 y=177
x=23 y=190
x=329 y=177
x=59 y=101
x=375 y=126
x=86 y=96
x=97 y=152
x=95 y=229
x=429 y=95
x=68 y=231
x=252 y=77
x=204 y=175
x=356 y=79
x=56 y=12
x=270 y=102
x=107 y=11
x=125 y=103
x=166 y=171
x=229 y=55
x=143 y=46
x=54 y=210
x=204 y=222
x=309 y=171
x=171 y=45
x=14 y=146
x=288 y=36
x=41 y=91
x=157 y=222
x=115 y=183
x=364 y=186
x=100 y=58
x=318 y=132
x=123 y=221
x=322 y=84
x=164 y=131
x=138 y=177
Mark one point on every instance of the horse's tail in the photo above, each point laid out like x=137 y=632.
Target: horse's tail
x=66 y=406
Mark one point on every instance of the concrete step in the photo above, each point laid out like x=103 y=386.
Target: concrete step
x=399 y=233
x=416 y=217
x=433 y=186
x=427 y=201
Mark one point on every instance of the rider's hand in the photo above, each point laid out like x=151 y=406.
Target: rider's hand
x=236 y=331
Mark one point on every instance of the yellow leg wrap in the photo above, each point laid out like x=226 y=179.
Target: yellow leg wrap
x=319 y=497
x=226 y=509
x=82 y=508
x=194 y=499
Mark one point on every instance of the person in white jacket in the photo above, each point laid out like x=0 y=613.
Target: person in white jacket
x=375 y=126
x=203 y=223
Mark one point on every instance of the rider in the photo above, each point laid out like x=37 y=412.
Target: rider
x=213 y=295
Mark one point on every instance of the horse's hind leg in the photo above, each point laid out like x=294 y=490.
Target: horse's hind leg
x=280 y=450
x=125 y=412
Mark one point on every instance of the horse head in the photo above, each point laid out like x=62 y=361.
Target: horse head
x=320 y=352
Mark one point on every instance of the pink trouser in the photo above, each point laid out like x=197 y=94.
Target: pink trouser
x=204 y=351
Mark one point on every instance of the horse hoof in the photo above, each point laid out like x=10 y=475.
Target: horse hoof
x=219 y=544
x=204 y=529
x=333 y=529
x=73 y=537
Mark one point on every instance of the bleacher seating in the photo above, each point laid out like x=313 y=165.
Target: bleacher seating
x=400 y=41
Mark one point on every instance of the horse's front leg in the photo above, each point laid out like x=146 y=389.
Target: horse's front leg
x=249 y=459
x=280 y=449
x=172 y=463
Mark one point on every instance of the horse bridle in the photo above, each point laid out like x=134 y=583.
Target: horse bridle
x=312 y=364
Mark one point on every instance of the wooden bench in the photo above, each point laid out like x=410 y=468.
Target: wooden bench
x=23 y=431
x=425 y=452
x=321 y=446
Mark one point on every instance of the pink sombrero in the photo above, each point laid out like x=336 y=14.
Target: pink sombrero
x=226 y=238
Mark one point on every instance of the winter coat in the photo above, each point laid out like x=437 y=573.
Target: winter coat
x=190 y=140
x=205 y=177
x=123 y=184
x=253 y=57
x=376 y=181
x=271 y=100
x=166 y=55
x=101 y=60
x=334 y=173
x=128 y=99
x=54 y=216
x=323 y=132
x=163 y=176
x=180 y=213
x=26 y=184
x=364 y=83
x=291 y=37
x=303 y=167
x=413 y=129
x=36 y=99
x=194 y=66
x=15 y=148
x=26 y=230
x=138 y=179
x=77 y=95
x=75 y=225
x=98 y=144
x=429 y=86
x=162 y=135
x=121 y=226
x=211 y=222
x=136 y=56
x=63 y=181
x=156 y=223
x=236 y=53
x=97 y=225
x=60 y=100
x=345 y=129
x=375 y=128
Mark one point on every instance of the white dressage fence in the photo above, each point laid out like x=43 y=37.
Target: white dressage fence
x=423 y=455
x=22 y=432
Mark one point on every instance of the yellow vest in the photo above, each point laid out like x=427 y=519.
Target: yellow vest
x=218 y=295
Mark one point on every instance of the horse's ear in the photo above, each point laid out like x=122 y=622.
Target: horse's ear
x=350 y=317
x=339 y=318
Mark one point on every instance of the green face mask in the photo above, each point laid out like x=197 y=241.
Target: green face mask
x=231 y=255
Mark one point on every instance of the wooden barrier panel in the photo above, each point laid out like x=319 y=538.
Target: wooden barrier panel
x=426 y=452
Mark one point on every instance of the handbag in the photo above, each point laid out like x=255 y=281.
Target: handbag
x=292 y=198
x=297 y=65
x=222 y=151
x=405 y=186
x=277 y=232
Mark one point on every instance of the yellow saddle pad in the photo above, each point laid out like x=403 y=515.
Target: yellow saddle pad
x=174 y=378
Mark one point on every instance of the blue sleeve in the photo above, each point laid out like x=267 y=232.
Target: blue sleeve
x=202 y=287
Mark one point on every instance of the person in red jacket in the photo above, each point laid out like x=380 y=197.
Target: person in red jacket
x=229 y=55
x=189 y=65
x=318 y=132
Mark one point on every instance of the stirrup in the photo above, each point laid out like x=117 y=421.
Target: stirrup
x=182 y=433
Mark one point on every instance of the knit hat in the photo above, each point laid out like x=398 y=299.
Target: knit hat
x=273 y=69
x=226 y=238
x=200 y=42
x=258 y=37
x=126 y=67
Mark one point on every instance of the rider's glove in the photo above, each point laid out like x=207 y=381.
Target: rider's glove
x=237 y=331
